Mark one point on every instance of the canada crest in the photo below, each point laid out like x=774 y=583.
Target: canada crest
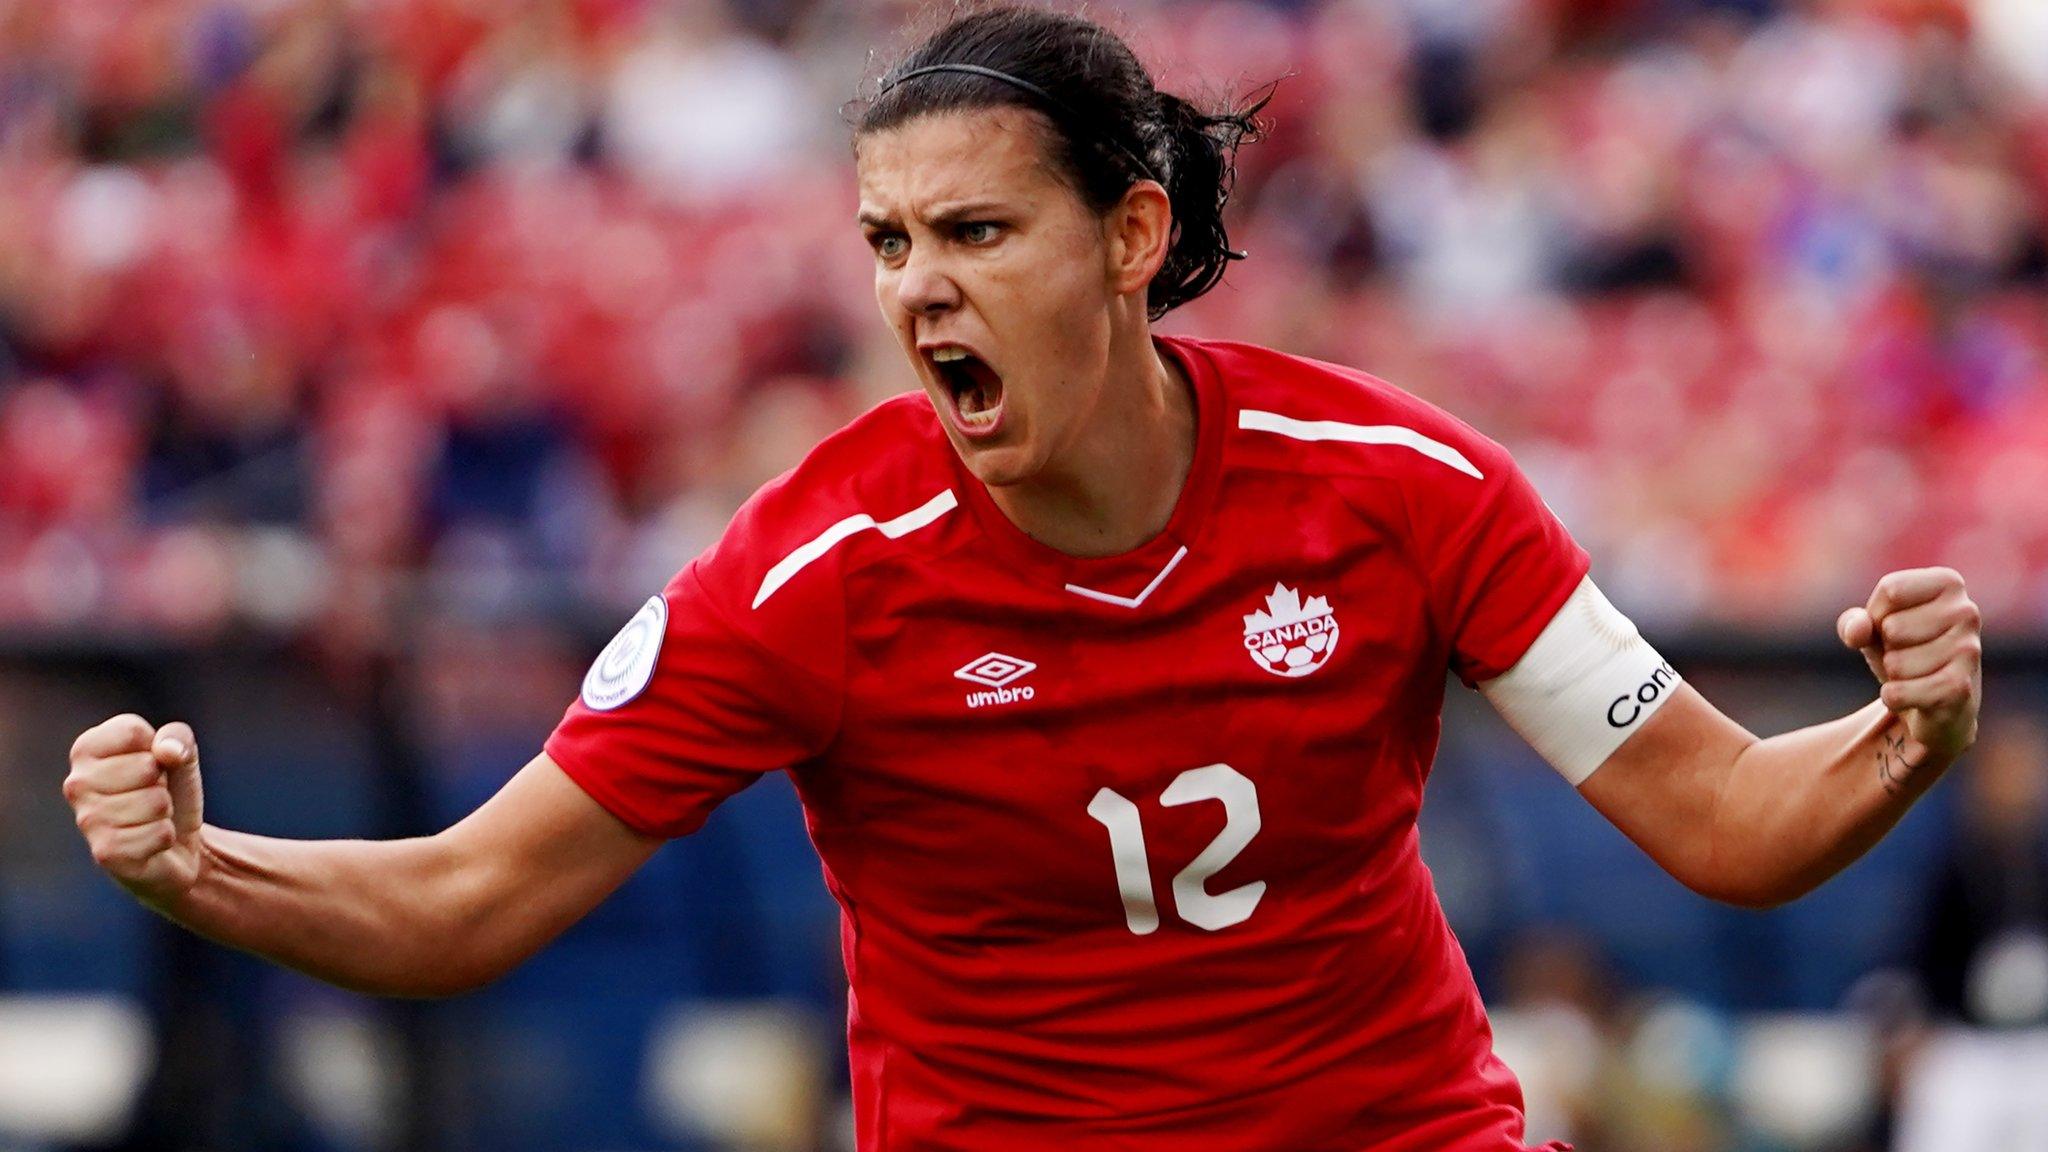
x=1288 y=637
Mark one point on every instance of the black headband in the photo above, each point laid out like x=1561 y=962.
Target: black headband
x=1018 y=82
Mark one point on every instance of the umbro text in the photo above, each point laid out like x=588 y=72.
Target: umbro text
x=999 y=696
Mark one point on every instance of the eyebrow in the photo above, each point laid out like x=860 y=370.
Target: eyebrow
x=947 y=215
x=954 y=214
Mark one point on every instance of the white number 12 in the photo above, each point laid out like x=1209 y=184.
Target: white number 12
x=1195 y=903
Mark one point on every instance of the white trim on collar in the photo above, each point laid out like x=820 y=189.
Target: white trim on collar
x=1140 y=598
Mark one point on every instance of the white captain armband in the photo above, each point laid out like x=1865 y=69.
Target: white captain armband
x=1584 y=687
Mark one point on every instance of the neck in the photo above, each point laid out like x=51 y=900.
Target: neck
x=1115 y=486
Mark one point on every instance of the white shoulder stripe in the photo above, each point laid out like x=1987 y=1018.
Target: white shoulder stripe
x=1254 y=420
x=830 y=538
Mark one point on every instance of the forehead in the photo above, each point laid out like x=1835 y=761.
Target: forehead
x=980 y=154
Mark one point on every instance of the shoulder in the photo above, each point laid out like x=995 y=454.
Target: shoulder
x=884 y=483
x=1295 y=414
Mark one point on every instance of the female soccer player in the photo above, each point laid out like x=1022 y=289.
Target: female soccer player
x=1109 y=671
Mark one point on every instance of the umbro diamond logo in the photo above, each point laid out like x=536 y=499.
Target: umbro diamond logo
x=1288 y=637
x=998 y=672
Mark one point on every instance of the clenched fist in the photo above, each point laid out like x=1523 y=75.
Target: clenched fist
x=135 y=792
x=1922 y=637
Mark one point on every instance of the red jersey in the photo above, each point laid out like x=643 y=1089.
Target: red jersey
x=1125 y=848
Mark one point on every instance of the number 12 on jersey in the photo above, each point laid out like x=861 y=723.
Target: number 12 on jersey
x=1195 y=903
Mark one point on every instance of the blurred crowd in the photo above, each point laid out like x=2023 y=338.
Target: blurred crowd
x=312 y=310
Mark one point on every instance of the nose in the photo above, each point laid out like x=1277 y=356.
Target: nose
x=924 y=289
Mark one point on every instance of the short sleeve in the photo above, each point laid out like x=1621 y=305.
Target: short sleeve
x=1498 y=562
x=660 y=737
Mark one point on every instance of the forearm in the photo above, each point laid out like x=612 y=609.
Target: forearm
x=422 y=917
x=1759 y=822
x=394 y=917
x=1793 y=810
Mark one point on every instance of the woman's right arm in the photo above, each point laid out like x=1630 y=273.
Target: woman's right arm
x=430 y=916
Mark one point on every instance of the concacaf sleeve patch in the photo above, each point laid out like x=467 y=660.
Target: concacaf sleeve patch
x=623 y=670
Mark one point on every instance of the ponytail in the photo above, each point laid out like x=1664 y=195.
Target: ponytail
x=1200 y=169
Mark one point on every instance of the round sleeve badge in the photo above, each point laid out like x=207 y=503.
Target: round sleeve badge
x=624 y=668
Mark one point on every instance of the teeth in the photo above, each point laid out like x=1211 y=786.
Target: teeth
x=948 y=355
x=983 y=417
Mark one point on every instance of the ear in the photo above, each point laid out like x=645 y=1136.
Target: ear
x=1137 y=231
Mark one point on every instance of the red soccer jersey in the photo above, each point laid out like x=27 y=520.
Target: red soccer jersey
x=1125 y=848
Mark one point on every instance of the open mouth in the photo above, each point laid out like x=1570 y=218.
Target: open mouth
x=975 y=389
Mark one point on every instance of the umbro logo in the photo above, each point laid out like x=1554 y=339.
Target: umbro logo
x=998 y=672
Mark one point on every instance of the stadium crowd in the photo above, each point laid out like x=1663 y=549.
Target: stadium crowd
x=306 y=307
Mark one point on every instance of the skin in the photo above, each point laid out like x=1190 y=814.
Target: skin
x=979 y=242
x=1757 y=823
x=1097 y=439
x=428 y=916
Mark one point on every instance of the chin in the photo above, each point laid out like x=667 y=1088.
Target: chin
x=999 y=461
x=997 y=465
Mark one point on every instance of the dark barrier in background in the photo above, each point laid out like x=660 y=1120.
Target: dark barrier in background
x=298 y=744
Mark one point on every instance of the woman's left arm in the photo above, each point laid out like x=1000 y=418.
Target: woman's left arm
x=1758 y=822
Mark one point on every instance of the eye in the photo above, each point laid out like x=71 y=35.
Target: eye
x=980 y=232
x=890 y=245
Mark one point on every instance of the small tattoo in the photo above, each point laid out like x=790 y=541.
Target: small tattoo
x=1892 y=766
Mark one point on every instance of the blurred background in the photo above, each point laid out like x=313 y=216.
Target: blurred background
x=363 y=363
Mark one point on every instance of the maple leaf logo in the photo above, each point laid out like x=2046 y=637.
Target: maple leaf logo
x=1284 y=607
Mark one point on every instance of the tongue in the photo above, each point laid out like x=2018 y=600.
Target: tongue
x=984 y=388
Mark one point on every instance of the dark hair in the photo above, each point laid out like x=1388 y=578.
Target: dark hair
x=1110 y=127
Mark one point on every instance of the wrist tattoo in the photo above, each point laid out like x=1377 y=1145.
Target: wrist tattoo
x=1892 y=766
